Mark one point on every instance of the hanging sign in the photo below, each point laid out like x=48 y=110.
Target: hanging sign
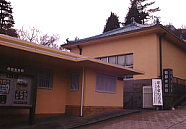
x=157 y=92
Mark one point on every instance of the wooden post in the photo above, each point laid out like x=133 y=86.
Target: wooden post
x=31 y=116
x=33 y=100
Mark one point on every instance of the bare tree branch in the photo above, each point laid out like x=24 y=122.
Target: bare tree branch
x=34 y=35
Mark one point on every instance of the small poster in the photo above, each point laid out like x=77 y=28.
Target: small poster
x=4 y=86
x=21 y=92
x=157 y=92
x=2 y=99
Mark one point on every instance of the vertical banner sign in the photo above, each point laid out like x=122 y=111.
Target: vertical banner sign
x=157 y=92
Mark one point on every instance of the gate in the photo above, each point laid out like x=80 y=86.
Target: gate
x=147 y=97
x=133 y=93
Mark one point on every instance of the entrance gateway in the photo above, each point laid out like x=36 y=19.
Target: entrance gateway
x=142 y=93
x=133 y=93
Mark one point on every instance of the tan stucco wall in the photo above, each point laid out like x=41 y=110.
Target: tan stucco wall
x=75 y=50
x=54 y=100
x=144 y=48
x=60 y=95
x=175 y=58
x=93 y=98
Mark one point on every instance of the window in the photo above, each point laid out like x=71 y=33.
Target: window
x=128 y=77
x=112 y=59
x=104 y=59
x=121 y=60
x=105 y=83
x=124 y=60
x=129 y=61
x=74 y=84
x=45 y=79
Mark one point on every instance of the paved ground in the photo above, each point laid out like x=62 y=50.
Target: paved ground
x=167 y=119
x=58 y=121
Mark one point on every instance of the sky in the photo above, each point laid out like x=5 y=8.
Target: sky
x=85 y=18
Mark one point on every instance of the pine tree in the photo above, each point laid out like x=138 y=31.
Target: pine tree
x=6 y=19
x=112 y=23
x=139 y=11
x=133 y=13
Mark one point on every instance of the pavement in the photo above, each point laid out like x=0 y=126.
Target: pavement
x=162 y=119
x=62 y=121
x=121 y=119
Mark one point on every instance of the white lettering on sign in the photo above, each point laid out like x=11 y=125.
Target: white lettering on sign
x=157 y=92
x=16 y=70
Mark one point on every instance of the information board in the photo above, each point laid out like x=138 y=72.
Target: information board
x=15 y=91
x=157 y=92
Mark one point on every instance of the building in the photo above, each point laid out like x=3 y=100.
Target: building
x=39 y=80
x=150 y=48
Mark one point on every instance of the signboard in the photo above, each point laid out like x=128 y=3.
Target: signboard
x=157 y=92
x=21 y=91
x=15 y=90
x=167 y=81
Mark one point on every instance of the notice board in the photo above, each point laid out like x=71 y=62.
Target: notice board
x=157 y=92
x=15 y=89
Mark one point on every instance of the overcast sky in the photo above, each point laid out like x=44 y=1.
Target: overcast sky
x=84 y=18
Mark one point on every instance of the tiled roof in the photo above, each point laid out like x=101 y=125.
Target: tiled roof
x=131 y=27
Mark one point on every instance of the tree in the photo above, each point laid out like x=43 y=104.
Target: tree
x=139 y=11
x=112 y=23
x=6 y=19
x=133 y=13
x=35 y=36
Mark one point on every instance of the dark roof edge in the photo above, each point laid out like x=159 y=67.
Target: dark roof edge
x=182 y=40
x=88 y=39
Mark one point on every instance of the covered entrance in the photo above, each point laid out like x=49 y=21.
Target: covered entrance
x=27 y=74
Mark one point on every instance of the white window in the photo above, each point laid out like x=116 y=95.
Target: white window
x=105 y=83
x=74 y=84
